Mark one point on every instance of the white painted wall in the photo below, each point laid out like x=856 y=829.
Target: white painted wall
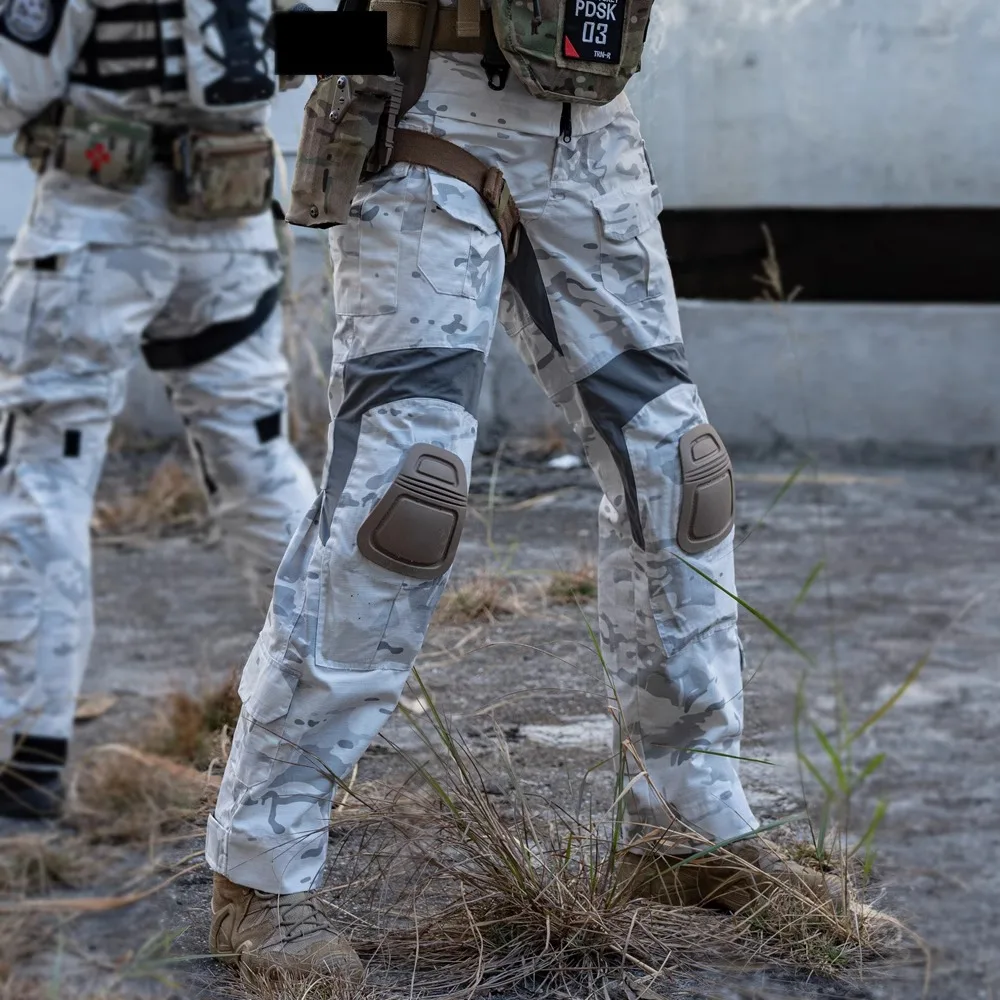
x=823 y=102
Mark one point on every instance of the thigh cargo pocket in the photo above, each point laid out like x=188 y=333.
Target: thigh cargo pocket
x=633 y=258
x=366 y=249
x=459 y=238
x=39 y=311
x=17 y=299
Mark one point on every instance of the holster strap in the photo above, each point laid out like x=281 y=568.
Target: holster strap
x=439 y=154
x=406 y=25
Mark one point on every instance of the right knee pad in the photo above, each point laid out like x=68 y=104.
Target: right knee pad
x=708 y=508
x=414 y=529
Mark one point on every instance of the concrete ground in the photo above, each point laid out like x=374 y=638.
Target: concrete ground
x=904 y=562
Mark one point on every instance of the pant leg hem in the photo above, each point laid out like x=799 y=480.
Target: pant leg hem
x=261 y=863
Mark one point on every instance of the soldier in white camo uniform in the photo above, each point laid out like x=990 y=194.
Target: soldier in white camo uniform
x=419 y=284
x=105 y=265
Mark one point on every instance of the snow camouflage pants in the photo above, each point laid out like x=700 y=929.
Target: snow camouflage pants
x=70 y=328
x=418 y=286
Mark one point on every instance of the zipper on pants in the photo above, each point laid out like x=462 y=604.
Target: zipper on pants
x=566 y=122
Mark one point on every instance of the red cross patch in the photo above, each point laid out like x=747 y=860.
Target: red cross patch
x=98 y=155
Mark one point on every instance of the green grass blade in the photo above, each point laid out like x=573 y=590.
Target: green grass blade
x=760 y=616
x=838 y=767
x=807 y=586
x=913 y=674
x=814 y=771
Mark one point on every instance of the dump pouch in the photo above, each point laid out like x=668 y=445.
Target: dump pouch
x=347 y=128
x=577 y=51
x=222 y=176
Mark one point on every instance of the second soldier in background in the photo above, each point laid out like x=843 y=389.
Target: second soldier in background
x=151 y=228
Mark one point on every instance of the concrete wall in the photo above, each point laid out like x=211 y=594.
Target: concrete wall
x=774 y=102
x=793 y=102
x=823 y=102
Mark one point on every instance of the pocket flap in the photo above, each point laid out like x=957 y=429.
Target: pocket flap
x=462 y=202
x=628 y=212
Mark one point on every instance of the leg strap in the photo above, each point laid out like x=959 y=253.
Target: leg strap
x=439 y=154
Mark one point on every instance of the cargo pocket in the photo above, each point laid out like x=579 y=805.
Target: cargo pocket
x=266 y=691
x=458 y=239
x=633 y=260
x=17 y=300
x=40 y=316
x=21 y=588
x=366 y=249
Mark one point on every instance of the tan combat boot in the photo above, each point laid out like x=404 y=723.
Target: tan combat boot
x=726 y=879
x=290 y=933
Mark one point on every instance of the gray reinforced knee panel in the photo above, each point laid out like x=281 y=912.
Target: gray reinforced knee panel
x=414 y=529
x=708 y=501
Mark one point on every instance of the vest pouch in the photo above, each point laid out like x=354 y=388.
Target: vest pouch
x=576 y=51
x=222 y=176
x=111 y=152
x=342 y=124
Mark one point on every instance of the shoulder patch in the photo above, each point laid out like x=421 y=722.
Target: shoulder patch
x=31 y=23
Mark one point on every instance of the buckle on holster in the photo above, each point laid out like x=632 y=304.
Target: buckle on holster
x=503 y=208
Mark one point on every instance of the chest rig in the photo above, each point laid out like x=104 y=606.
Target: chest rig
x=208 y=54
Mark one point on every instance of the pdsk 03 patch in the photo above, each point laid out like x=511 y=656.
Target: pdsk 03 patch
x=592 y=30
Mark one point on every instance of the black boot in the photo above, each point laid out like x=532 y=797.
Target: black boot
x=31 y=783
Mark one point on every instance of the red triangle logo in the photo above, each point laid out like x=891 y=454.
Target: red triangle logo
x=571 y=53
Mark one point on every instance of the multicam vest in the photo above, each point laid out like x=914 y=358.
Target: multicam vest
x=581 y=51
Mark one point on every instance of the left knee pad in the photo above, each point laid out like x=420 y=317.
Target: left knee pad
x=414 y=529
x=708 y=498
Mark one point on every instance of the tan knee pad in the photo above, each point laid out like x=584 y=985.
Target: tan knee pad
x=414 y=529
x=708 y=507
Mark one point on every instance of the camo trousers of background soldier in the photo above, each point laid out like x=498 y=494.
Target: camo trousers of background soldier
x=70 y=328
x=418 y=276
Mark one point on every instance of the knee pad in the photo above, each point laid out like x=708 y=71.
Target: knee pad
x=414 y=529
x=708 y=496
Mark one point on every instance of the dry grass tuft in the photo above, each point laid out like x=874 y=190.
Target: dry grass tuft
x=573 y=586
x=284 y=986
x=119 y=793
x=171 y=499
x=484 y=597
x=194 y=729
x=21 y=937
x=520 y=895
x=33 y=863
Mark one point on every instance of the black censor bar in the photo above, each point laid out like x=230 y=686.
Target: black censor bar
x=321 y=43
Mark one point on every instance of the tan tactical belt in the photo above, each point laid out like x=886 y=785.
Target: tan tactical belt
x=439 y=154
x=458 y=29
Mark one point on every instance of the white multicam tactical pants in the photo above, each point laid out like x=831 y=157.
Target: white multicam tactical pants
x=70 y=328
x=419 y=284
